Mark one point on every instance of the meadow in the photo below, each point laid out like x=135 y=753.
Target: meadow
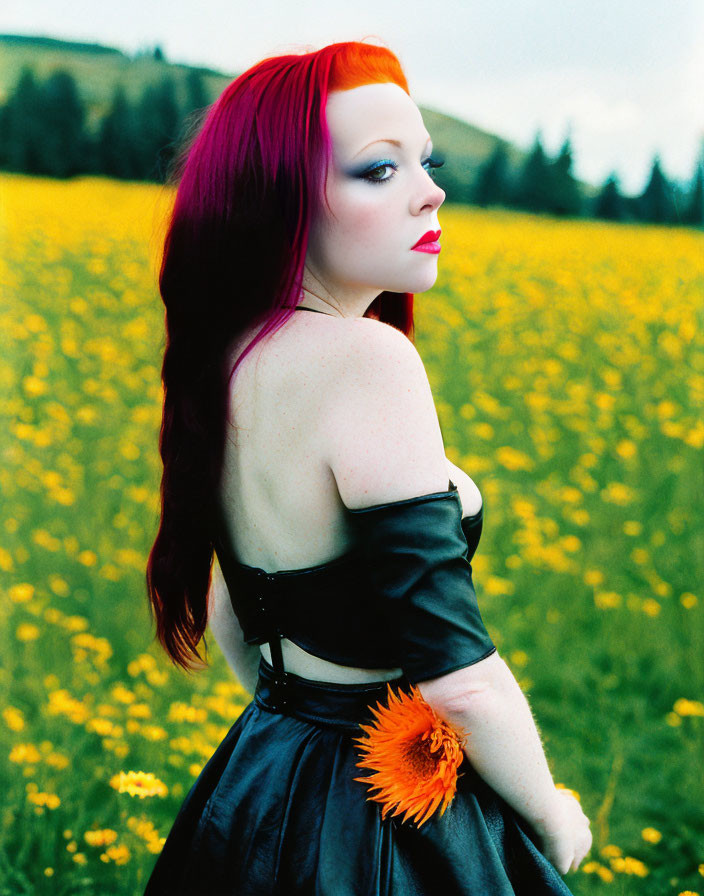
x=567 y=363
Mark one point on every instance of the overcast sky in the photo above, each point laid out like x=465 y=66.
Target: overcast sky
x=624 y=77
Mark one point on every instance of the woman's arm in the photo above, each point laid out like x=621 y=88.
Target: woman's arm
x=504 y=744
x=504 y=747
x=242 y=658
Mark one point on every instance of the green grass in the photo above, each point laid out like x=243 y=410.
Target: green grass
x=575 y=408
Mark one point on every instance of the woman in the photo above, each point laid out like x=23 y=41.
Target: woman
x=341 y=594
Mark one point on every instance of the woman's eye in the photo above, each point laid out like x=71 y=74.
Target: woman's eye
x=379 y=180
x=433 y=163
x=430 y=162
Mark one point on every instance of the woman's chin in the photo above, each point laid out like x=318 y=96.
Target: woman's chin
x=423 y=284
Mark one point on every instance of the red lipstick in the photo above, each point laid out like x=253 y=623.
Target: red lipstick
x=429 y=242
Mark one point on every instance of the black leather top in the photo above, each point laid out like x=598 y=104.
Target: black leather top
x=402 y=597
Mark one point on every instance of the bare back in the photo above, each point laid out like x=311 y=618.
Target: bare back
x=280 y=497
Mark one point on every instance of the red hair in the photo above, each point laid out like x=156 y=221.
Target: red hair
x=247 y=183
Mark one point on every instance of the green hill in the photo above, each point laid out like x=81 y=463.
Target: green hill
x=97 y=69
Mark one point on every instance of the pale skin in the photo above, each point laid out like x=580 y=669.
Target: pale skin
x=335 y=411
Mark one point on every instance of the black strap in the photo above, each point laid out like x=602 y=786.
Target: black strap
x=277 y=657
x=281 y=679
x=305 y=308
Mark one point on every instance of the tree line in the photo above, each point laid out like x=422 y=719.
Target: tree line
x=44 y=131
x=548 y=185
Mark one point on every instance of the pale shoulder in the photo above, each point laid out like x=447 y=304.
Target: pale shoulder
x=380 y=432
x=373 y=353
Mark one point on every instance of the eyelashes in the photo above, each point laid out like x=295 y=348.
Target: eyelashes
x=387 y=163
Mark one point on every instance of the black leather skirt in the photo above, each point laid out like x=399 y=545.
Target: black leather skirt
x=276 y=810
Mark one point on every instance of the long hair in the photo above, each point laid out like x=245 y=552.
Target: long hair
x=248 y=181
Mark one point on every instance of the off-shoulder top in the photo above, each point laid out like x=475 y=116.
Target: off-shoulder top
x=401 y=597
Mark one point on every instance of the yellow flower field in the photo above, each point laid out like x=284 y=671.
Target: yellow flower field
x=567 y=364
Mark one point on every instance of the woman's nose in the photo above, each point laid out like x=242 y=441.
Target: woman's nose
x=431 y=198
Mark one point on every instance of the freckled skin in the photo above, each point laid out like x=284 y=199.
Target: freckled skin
x=361 y=245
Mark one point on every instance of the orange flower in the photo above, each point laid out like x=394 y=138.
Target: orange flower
x=414 y=754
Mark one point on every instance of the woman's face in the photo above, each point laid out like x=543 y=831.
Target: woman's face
x=382 y=198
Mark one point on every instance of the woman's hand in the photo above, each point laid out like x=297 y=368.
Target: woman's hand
x=566 y=837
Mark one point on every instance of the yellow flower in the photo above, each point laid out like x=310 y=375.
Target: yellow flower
x=14 y=719
x=21 y=592
x=120 y=855
x=25 y=753
x=6 y=561
x=123 y=694
x=50 y=800
x=629 y=865
x=100 y=838
x=484 y=430
x=618 y=493
x=495 y=585
x=182 y=712
x=686 y=707
x=58 y=760
x=604 y=599
x=27 y=631
x=513 y=459
x=154 y=732
x=632 y=527
x=414 y=756
x=651 y=835
x=87 y=558
x=597 y=868
x=650 y=606
x=139 y=784
x=58 y=585
x=626 y=448
x=593 y=577
x=571 y=543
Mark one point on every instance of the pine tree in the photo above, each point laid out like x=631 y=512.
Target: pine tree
x=609 y=203
x=655 y=202
x=23 y=131
x=116 y=149
x=63 y=151
x=4 y=125
x=533 y=190
x=158 y=118
x=694 y=213
x=565 y=195
x=196 y=95
x=491 y=183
